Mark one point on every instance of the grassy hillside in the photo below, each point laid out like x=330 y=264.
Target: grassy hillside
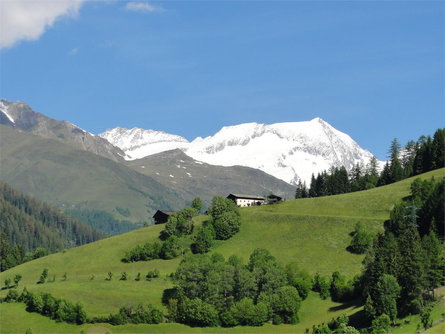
x=63 y=176
x=313 y=232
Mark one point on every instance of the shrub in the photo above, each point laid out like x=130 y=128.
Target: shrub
x=361 y=240
x=171 y=248
x=12 y=296
x=381 y=325
x=322 y=286
x=299 y=279
x=152 y=274
x=195 y=312
x=245 y=313
x=286 y=303
x=204 y=240
x=43 y=276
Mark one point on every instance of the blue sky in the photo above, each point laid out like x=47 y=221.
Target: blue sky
x=374 y=70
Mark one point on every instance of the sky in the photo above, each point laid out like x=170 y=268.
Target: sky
x=374 y=70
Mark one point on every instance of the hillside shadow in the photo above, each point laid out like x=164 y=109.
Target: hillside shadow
x=356 y=303
x=359 y=320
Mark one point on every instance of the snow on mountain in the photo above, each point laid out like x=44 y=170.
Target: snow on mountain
x=138 y=143
x=4 y=110
x=289 y=151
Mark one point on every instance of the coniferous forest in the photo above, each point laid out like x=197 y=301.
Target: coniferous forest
x=413 y=159
x=30 y=229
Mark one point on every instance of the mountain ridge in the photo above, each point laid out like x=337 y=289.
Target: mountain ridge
x=290 y=151
x=21 y=116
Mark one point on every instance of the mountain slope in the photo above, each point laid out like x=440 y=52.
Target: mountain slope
x=190 y=177
x=309 y=231
x=74 y=179
x=20 y=116
x=31 y=223
x=289 y=151
x=68 y=178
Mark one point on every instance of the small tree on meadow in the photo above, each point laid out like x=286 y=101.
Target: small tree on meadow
x=17 y=279
x=197 y=204
x=43 y=276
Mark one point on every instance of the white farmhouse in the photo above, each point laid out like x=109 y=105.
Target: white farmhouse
x=247 y=200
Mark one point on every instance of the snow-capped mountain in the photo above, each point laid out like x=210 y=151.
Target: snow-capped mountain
x=289 y=151
x=139 y=143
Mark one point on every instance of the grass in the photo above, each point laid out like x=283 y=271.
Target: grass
x=313 y=232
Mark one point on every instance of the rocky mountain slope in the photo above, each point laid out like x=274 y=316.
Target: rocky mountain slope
x=190 y=177
x=61 y=164
x=20 y=116
x=289 y=151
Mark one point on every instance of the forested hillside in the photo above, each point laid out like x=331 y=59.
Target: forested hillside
x=414 y=158
x=27 y=224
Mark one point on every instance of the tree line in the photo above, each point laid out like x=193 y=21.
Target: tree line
x=210 y=291
x=30 y=229
x=405 y=263
x=414 y=158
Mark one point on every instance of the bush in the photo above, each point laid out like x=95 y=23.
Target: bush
x=322 y=286
x=226 y=225
x=245 y=313
x=12 y=296
x=152 y=274
x=300 y=279
x=147 y=252
x=286 y=303
x=57 y=309
x=171 y=248
x=204 y=240
x=361 y=240
x=195 y=312
x=381 y=325
x=43 y=276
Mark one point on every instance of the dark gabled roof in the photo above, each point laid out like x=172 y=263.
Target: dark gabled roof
x=275 y=196
x=165 y=212
x=246 y=196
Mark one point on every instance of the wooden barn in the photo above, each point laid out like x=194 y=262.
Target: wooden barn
x=161 y=216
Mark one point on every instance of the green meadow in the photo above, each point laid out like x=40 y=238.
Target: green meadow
x=313 y=232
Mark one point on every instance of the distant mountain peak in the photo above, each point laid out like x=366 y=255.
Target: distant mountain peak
x=19 y=115
x=132 y=140
x=290 y=151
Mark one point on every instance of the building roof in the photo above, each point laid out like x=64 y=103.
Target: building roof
x=247 y=196
x=165 y=212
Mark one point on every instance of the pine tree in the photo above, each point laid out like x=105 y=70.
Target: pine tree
x=438 y=155
x=411 y=276
x=434 y=265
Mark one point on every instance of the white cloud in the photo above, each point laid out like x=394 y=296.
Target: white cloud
x=28 y=19
x=142 y=7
